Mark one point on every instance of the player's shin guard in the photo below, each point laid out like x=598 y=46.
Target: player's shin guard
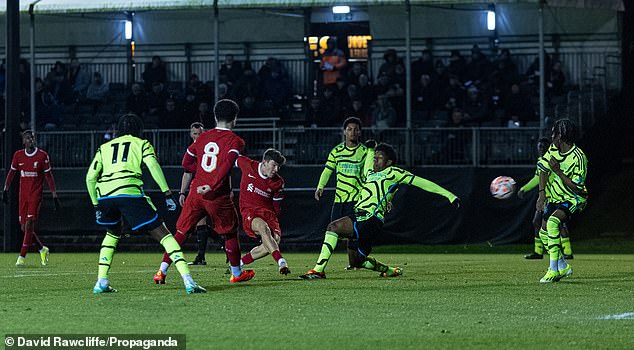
x=372 y=264
x=539 y=246
x=108 y=246
x=565 y=243
x=329 y=245
x=554 y=242
x=173 y=249
x=28 y=238
x=180 y=238
x=202 y=235
x=543 y=237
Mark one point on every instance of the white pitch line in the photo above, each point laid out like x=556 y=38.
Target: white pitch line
x=70 y=273
x=625 y=316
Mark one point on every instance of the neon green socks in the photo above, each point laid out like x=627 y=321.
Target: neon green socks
x=108 y=246
x=173 y=249
x=329 y=245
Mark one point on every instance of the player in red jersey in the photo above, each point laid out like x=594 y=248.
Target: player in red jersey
x=261 y=193
x=34 y=166
x=210 y=158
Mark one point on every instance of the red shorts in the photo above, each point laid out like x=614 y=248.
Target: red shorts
x=29 y=209
x=268 y=216
x=221 y=211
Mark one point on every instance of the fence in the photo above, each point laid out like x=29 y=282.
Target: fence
x=480 y=147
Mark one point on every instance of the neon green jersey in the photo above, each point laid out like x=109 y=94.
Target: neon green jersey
x=380 y=187
x=116 y=169
x=348 y=163
x=574 y=165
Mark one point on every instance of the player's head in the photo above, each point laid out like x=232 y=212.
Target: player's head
x=195 y=130
x=130 y=124
x=352 y=129
x=542 y=145
x=564 y=131
x=384 y=156
x=272 y=161
x=28 y=139
x=226 y=112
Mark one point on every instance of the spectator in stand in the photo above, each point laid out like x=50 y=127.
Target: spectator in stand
x=137 y=102
x=476 y=107
x=424 y=96
x=47 y=110
x=505 y=70
x=314 y=115
x=532 y=73
x=517 y=107
x=156 y=99
x=232 y=69
x=388 y=67
x=479 y=68
x=454 y=148
x=393 y=91
x=205 y=116
x=352 y=93
x=154 y=72
x=440 y=76
x=249 y=107
x=97 y=92
x=271 y=63
x=57 y=84
x=355 y=72
x=247 y=85
x=170 y=117
x=556 y=84
x=330 y=108
x=361 y=111
x=333 y=62
x=457 y=65
x=276 y=91
x=223 y=91
x=366 y=90
x=455 y=94
x=79 y=79
x=383 y=113
x=423 y=65
x=341 y=90
x=190 y=107
x=198 y=89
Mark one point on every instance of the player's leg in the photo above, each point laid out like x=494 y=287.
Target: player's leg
x=225 y=222
x=106 y=253
x=202 y=236
x=565 y=242
x=262 y=229
x=557 y=262
x=44 y=251
x=365 y=232
x=538 y=250
x=343 y=227
x=347 y=208
x=173 y=249
x=192 y=212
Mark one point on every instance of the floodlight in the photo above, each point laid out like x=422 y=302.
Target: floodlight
x=491 y=17
x=341 y=9
x=128 y=29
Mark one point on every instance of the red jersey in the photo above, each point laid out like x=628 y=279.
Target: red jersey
x=256 y=190
x=210 y=159
x=33 y=167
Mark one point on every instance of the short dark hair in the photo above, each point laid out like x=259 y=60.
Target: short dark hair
x=352 y=120
x=566 y=129
x=544 y=141
x=274 y=155
x=388 y=150
x=197 y=125
x=226 y=110
x=28 y=131
x=130 y=124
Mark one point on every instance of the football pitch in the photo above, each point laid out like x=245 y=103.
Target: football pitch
x=443 y=301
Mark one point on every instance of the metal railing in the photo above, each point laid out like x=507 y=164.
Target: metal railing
x=437 y=147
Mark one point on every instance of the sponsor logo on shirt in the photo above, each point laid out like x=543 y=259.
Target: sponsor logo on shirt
x=252 y=188
x=28 y=173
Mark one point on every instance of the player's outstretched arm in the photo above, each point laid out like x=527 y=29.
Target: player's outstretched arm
x=432 y=187
x=532 y=183
x=329 y=168
x=91 y=177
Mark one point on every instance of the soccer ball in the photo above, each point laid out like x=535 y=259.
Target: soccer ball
x=502 y=187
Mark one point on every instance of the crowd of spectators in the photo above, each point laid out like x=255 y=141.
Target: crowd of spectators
x=483 y=91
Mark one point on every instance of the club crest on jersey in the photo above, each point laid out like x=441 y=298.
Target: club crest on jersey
x=35 y=164
x=250 y=187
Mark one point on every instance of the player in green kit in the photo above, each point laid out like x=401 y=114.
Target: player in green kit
x=347 y=161
x=116 y=190
x=538 y=253
x=382 y=182
x=566 y=190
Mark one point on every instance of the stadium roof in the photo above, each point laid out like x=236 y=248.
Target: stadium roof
x=91 y=6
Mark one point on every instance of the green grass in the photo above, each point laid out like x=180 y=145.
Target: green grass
x=444 y=301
